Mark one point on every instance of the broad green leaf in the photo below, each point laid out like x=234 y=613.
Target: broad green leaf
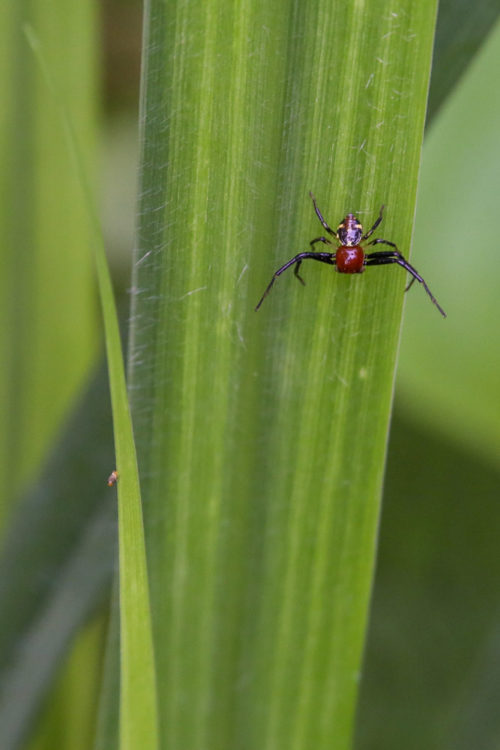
x=261 y=437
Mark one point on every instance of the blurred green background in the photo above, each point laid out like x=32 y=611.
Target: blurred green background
x=432 y=670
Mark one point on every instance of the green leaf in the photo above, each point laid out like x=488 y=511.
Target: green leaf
x=261 y=437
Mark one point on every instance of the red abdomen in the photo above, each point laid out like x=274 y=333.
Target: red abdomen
x=349 y=259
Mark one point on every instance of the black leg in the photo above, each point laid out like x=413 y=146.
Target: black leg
x=320 y=217
x=297 y=274
x=320 y=239
x=388 y=257
x=385 y=242
x=371 y=231
x=390 y=254
x=322 y=257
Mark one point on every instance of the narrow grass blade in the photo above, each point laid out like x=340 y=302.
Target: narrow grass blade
x=138 y=707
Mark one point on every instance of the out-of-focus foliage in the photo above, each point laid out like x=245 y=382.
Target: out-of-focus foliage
x=461 y=30
x=448 y=375
x=48 y=335
x=431 y=676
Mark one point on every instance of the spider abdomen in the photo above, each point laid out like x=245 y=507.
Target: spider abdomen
x=350 y=259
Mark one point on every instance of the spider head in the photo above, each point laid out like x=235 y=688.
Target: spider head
x=350 y=231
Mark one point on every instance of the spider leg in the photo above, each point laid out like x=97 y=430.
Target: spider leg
x=320 y=217
x=312 y=242
x=385 y=242
x=371 y=231
x=320 y=239
x=297 y=274
x=387 y=257
x=321 y=257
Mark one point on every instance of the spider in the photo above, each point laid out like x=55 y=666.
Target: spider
x=350 y=256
